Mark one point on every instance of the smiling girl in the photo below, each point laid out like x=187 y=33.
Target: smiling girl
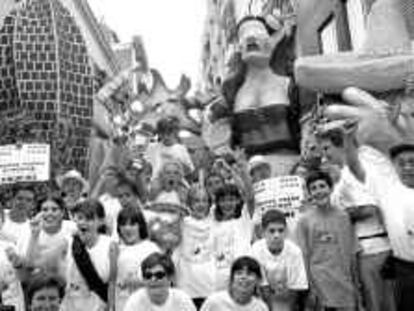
x=133 y=249
x=232 y=231
x=245 y=277
x=47 y=244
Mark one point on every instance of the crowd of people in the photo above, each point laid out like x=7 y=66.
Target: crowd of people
x=348 y=251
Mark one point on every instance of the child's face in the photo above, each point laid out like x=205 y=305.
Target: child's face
x=46 y=299
x=213 y=183
x=87 y=227
x=228 y=204
x=52 y=214
x=200 y=205
x=245 y=281
x=259 y=173
x=130 y=233
x=125 y=195
x=171 y=176
x=275 y=234
x=320 y=192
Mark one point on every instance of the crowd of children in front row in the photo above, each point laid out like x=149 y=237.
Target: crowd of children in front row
x=100 y=254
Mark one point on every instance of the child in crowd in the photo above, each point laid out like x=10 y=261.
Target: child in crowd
x=45 y=293
x=133 y=249
x=245 y=277
x=194 y=256
x=11 y=293
x=169 y=147
x=127 y=192
x=45 y=248
x=213 y=181
x=329 y=246
x=170 y=186
x=259 y=169
x=232 y=230
x=89 y=261
x=284 y=271
x=158 y=294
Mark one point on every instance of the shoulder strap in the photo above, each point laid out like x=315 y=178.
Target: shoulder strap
x=87 y=269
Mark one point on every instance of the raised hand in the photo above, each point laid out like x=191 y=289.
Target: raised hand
x=36 y=224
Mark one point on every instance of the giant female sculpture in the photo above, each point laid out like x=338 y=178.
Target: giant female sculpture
x=263 y=114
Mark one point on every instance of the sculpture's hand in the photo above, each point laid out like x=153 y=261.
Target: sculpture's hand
x=374 y=118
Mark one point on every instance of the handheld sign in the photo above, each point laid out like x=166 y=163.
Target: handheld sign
x=24 y=163
x=285 y=193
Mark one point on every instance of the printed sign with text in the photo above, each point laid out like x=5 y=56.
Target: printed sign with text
x=24 y=163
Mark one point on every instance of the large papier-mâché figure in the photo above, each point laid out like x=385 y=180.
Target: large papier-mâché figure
x=259 y=101
x=376 y=84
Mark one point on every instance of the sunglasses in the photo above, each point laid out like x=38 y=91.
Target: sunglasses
x=159 y=275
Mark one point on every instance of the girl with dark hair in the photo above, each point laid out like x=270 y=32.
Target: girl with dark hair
x=45 y=247
x=90 y=261
x=133 y=249
x=245 y=277
x=232 y=230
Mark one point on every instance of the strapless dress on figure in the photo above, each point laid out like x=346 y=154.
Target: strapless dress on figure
x=263 y=130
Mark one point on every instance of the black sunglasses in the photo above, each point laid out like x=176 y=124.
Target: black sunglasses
x=159 y=275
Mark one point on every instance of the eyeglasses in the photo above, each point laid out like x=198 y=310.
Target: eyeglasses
x=159 y=275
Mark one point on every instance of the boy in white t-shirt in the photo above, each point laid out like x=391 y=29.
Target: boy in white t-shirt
x=282 y=263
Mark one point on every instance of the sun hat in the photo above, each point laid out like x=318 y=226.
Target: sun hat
x=73 y=174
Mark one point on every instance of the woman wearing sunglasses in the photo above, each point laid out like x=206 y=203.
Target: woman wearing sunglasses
x=158 y=272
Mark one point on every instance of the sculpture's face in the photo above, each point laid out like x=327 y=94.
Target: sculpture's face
x=254 y=42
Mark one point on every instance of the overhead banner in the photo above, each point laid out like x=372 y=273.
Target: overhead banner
x=24 y=163
x=285 y=193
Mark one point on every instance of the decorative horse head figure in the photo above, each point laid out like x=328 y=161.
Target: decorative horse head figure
x=160 y=101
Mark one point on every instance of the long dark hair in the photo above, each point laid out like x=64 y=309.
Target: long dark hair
x=228 y=189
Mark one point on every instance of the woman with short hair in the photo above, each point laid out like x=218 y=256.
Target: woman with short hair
x=158 y=272
x=245 y=276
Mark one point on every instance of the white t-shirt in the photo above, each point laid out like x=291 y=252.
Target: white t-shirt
x=177 y=300
x=112 y=207
x=129 y=269
x=282 y=272
x=395 y=200
x=158 y=154
x=221 y=301
x=13 y=230
x=231 y=239
x=12 y=294
x=349 y=192
x=78 y=297
x=171 y=197
x=194 y=260
x=48 y=242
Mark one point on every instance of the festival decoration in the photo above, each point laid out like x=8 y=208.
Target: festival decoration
x=384 y=65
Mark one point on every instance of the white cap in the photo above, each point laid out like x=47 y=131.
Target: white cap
x=256 y=161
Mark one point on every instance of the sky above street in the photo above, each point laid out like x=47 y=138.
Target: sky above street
x=171 y=31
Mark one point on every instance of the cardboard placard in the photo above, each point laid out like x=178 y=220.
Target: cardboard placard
x=24 y=163
x=285 y=193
